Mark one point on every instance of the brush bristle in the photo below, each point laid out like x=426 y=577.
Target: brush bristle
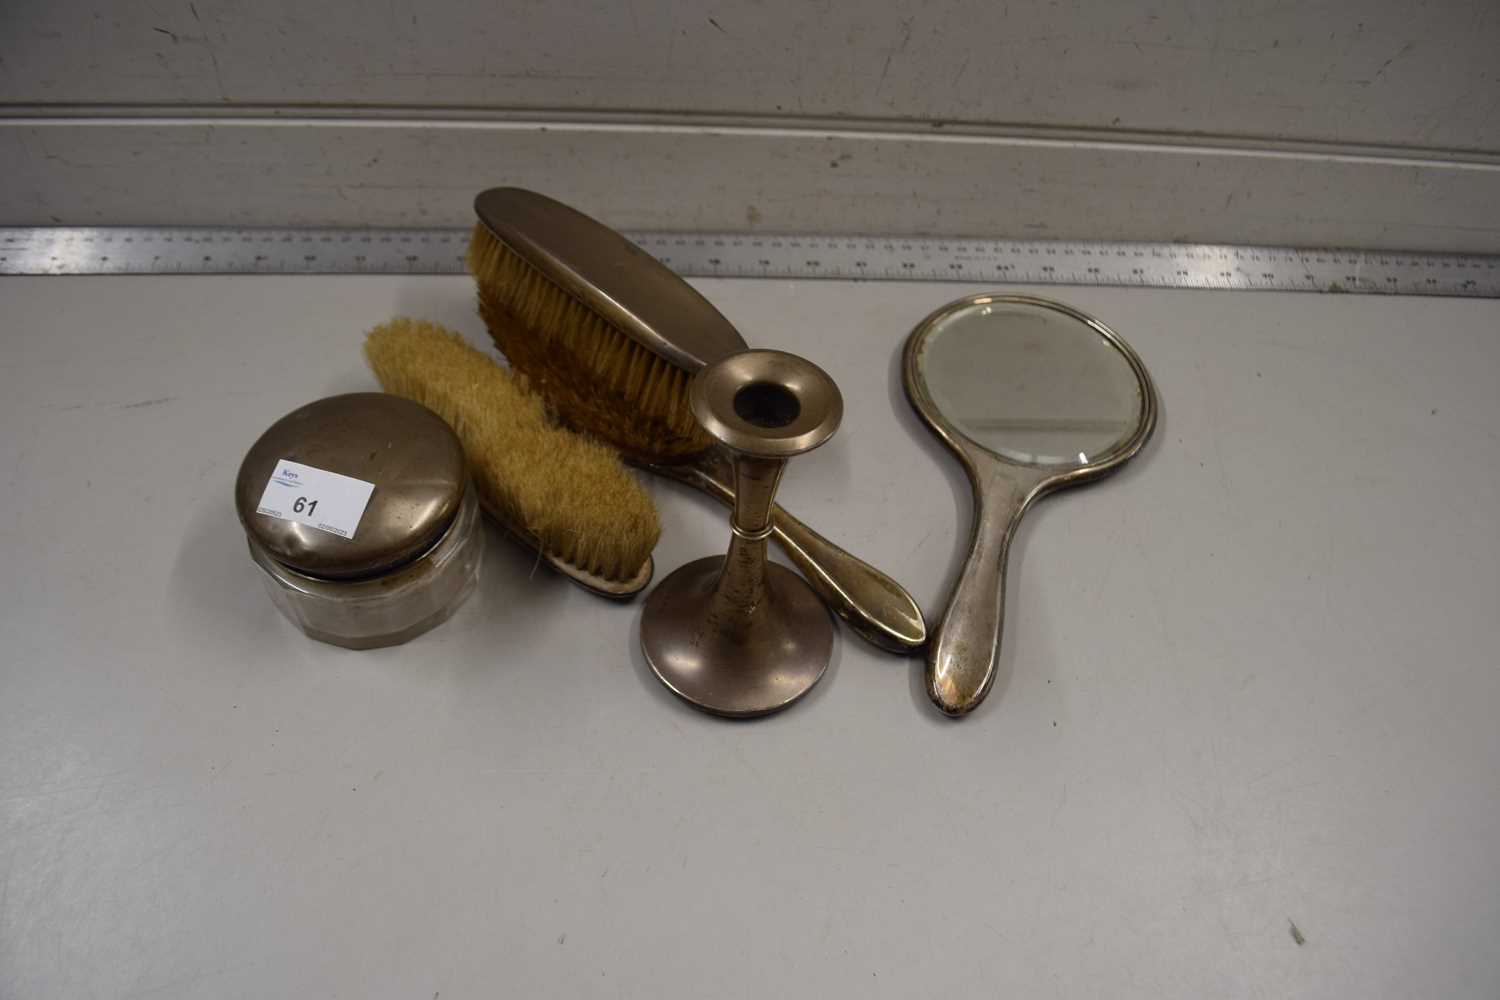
x=568 y=494
x=592 y=373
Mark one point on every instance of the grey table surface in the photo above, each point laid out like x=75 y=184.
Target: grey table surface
x=1248 y=683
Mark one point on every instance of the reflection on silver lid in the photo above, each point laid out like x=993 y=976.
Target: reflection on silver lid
x=412 y=457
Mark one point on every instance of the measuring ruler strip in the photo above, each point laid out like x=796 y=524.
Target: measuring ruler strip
x=154 y=250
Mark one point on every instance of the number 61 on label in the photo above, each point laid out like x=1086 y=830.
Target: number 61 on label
x=317 y=498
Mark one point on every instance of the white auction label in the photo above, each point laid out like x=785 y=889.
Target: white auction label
x=323 y=500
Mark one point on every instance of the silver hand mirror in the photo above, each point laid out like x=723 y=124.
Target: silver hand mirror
x=1032 y=396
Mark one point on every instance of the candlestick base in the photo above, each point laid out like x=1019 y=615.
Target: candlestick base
x=736 y=668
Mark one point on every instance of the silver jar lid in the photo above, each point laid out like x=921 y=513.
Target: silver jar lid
x=412 y=457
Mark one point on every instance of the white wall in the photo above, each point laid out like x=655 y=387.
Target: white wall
x=1371 y=124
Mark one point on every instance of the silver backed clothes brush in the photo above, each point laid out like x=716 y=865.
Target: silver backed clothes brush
x=610 y=337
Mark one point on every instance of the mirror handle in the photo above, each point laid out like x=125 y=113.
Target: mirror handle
x=963 y=653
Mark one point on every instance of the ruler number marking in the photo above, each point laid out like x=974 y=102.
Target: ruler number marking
x=329 y=250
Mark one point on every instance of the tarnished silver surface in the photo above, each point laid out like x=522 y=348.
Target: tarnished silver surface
x=767 y=403
x=611 y=275
x=725 y=661
x=871 y=603
x=664 y=314
x=738 y=636
x=412 y=457
x=965 y=647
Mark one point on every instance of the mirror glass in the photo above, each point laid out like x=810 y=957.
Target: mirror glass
x=1031 y=384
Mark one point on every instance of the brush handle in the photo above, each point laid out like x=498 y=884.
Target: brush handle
x=874 y=605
